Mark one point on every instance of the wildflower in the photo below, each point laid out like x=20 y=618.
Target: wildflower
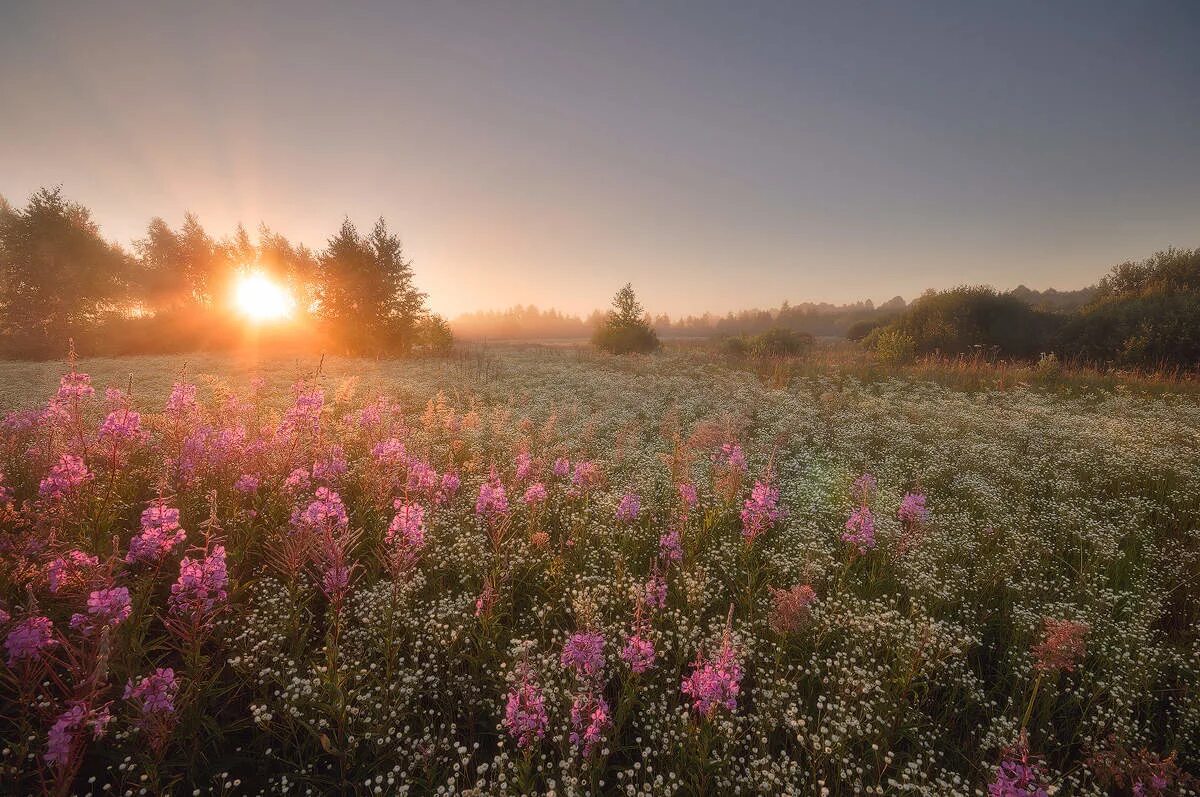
x=122 y=426
x=760 y=511
x=64 y=734
x=6 y=493
x=733 y=457
x=590 y=718
x=860 y=529
x=298 y=481
x=584 y=653
x=325 y=512
x=863 y=489
x=492 y=501
x=638 y=653
x=247 y=483
x=534 y=494
x=687 y=494
x=448 y=489
x=407 y=527
x=68 y=474
x=28 y=639
x=524 y=466
x=1062 y=645
x=154 y=693
x=654 y=593
x=670 y=548
x=74 y=386
x=182 y=400
x=791 y=609
x=714 y=683
x=912 y=509
x=389 y=452
x=629 y=508
x=585 y=475
x=1018 y=774
x=201 y=587
x=70 y=569
x=525 y=714
x=105 y=607
x=539 y=539
x=160 y=534
x=486 y=600
x=562 y=467
x=330 y=467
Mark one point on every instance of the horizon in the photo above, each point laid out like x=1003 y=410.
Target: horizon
x=718 y=161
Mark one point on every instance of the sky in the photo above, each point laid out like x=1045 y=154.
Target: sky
x=717 y=156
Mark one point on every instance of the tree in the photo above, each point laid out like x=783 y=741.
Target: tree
x=59 y=276
x=625 y=329
x=366 y=293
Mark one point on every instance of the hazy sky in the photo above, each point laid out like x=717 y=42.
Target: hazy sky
x=717 y=156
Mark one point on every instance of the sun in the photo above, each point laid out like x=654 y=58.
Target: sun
x=261 y=299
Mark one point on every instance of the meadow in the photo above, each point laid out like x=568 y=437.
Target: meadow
x=547 y=571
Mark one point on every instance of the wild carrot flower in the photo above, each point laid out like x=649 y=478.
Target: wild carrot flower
x=105 y=608
x=525 y=714
x=160 y=534
x=1062 y=645
x=590 y=718
x=760 y=511
x=714 y=683
x=791 y=608
x=492 y=501
x=629 y=508
x=66 y=732
x=860 y=529
x=71 y=569
x=912 y=509
x=534 y=494
x=584 y=653
x=67 y=475
x=638 y=653
x=28 y=639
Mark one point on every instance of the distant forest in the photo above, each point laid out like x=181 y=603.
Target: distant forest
x=819 y=319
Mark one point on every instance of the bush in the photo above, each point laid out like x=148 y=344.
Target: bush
x=775 y=342
x=434 y=335
x=860 y=329
x=894 y=347
x=967 y=318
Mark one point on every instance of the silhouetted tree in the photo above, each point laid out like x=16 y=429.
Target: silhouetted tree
x=59 y=276
x=625 y=329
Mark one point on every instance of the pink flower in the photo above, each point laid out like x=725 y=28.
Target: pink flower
x=105 y=607
x=524 y=466
x=160 y=534
x=326 y=512
x=407 y=527
x=791 y=609
x=64 y=734
x=638 y=653
x=714 y=683
x=733 y=457
x=492 y=501
x=68 y=474
x=449 y=488
x=562 y=467
x=330 y=467
x=864 y=489
x=585 y=476
x=655 y=591
x=670 y=548
x=122 y=426
x=860 y=529
x=71 y=569
x=298 y=481
x=912 y=508
x=247 y=483
x=1018 y=774
x=74 y=386
x=535 y=494
x=760 y=511
x=584 y=653
x=590 y=718
x=389 y=452
x=687 y=494
x=629 y=508
x=154 y=693
x=525 y=714
x=28 y=639
x=201 y=587
x=182 y=400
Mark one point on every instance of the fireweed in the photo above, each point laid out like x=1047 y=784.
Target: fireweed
x=332 y=590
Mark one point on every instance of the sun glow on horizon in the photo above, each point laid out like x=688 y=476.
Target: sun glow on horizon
x=261 y=299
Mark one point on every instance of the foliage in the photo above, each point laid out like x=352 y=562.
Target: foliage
x=893 y=346
x=625 y=330
x=775 y=342
x=708 y=593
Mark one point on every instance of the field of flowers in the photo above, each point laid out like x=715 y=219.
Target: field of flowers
x=542 y=572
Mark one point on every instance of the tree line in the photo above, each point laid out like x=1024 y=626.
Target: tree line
x=61 y=281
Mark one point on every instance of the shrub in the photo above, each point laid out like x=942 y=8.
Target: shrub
x=894 y=347
x=625 y=330
x=434 y=335
x=860 y=329
x=775 y=342
x=969 y=317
